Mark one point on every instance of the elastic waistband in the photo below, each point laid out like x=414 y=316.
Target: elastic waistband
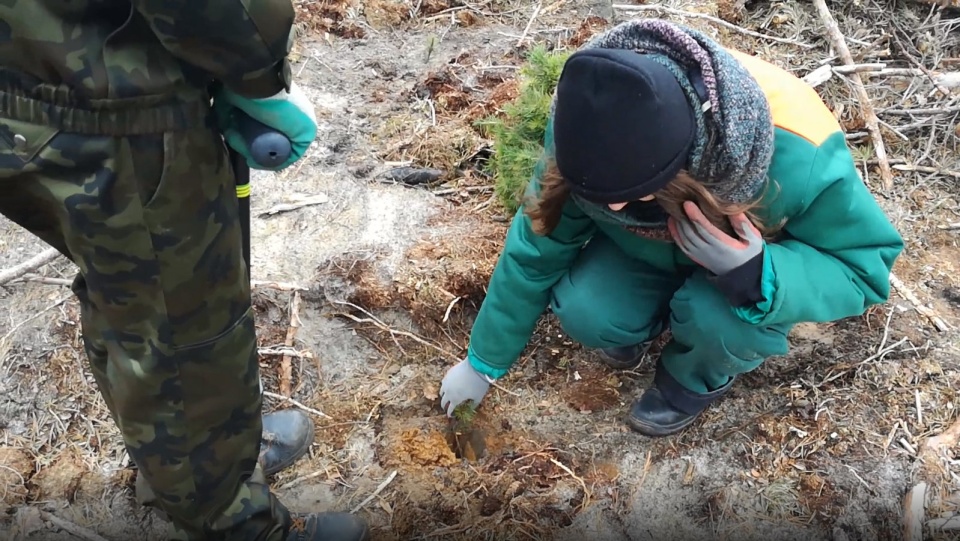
x=134 y=117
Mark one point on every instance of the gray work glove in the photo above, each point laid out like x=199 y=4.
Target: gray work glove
x=460 y=384
x=710 y=247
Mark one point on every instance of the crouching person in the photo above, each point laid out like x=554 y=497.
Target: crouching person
x=683 y=186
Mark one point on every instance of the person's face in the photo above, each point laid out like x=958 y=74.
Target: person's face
x=619 y=206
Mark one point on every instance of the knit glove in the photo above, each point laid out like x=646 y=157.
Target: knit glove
x=291 y=114
x=461 y=383
x=736 y=263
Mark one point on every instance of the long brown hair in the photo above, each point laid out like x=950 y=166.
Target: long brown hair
x=545 y=209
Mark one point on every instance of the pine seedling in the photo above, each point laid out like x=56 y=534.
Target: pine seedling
x=519 y=129
x=464 y=414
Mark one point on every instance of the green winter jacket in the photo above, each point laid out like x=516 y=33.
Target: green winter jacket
x=833 y=260
x=62 y=63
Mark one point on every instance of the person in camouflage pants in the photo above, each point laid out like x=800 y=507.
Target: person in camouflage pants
x=111 y=152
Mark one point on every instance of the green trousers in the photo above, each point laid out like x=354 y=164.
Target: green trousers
x=151 y=220
x=608 y=299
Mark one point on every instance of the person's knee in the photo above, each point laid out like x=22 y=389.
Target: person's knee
x=587 y=319
x=700 y=314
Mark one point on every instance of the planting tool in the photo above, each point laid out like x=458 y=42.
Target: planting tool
x=269 y=148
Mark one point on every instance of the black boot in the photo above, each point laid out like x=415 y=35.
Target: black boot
x=287 y=436
x=668 y=407
x=625 y=357
x=629 y=357
x=328 y=527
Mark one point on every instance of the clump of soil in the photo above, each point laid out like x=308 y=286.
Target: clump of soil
x=329 y=16
x=63 y=479
x=588 y=28
x=17 y=467
x=440 y=280
x=540 y=487
x=592 y=390
x=421 y=447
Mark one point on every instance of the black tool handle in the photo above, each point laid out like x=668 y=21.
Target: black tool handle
x=268 y=148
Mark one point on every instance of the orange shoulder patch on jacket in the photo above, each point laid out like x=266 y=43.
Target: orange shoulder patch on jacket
x=795 y=105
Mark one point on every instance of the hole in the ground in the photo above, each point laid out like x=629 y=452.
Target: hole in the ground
x=466 y=442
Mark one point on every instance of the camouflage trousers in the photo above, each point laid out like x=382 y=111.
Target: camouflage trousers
x=151 y=220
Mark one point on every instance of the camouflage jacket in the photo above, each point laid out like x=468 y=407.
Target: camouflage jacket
x=108 y=53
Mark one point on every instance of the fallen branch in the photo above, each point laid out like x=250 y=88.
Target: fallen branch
x=307 y=409
x=285 y=364
x=908 y=294
x=873 y=124
x=70 y=527
x=913 y=513
x=284 y=350
x=302 y=202
x=927 y=169
x=583 y=485
x=526 y=30
x=31 y=277
x=949 y=109
x=29 y=265
x=826 y=72
x=378 y=490
x=715 y=20
x=280 y=286
x=386 y=328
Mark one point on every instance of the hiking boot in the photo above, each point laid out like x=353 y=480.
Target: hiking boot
x=668 y=407
x=625 y=357
x=287 y=436
x=328 y=527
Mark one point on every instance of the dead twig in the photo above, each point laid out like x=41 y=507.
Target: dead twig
x=303 y=201
x=826 y=72
x=378 y=490
x=908 y=294
x=29 y=265
x=873 y=124
x=280 y=286
x=284 y=350
x=307 y=409
x=913 y=513
x=386 y=328
x=715 y=20
x=285 y=365
x=926 y=169
x=526 y=30
x=70 y=527
x=583 y=485
x=31 y=277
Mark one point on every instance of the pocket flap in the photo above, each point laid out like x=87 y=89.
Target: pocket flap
x=25 y=139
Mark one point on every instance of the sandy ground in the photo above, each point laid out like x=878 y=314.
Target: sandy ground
x=820 y=444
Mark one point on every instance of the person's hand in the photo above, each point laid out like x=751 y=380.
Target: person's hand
x=291 y=114
x=710 y=247
x=460 y=384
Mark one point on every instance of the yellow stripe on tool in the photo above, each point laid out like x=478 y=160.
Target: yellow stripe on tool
x=243 y=191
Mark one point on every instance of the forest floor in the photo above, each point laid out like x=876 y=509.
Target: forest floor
x=383 y=280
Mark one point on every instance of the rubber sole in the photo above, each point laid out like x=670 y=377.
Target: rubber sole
x=656 y=431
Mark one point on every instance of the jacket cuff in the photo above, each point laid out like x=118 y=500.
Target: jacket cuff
x=742 y=286
x=484 y=368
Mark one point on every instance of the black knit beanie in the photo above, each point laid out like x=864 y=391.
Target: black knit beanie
x=622 y=126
